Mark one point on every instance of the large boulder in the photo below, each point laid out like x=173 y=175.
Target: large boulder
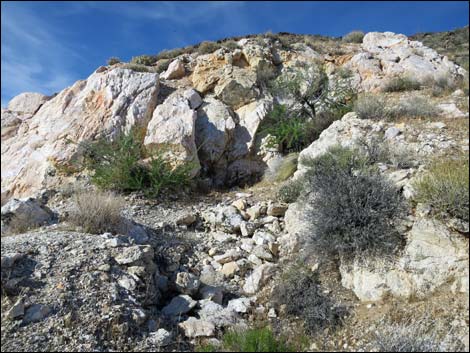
x=172 y=131
x=108 y=103
x=238 y=87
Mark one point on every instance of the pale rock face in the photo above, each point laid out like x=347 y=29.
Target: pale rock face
x=250 y=117
x=175 y=70
x=388 y=55
x=434 y=258
x=106 y=103
x=172 y=130
x=238 y=88
x=214 y=128
x=27 y=103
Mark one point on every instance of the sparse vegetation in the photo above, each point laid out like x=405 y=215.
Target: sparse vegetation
x=371 y=106
x=401 y=84
x=251 y=340
x=410 y=337
x=303 y=297
x=353 y=206
x=207 y=47
x=378 y=107
x=283 y=169
x=113 y=60
x=446 y=187
x=21 y=223
x=97 y=212
x=354 y=37
x=118 y=165
x=413 y=107
x=146 y=60
x=138 y=68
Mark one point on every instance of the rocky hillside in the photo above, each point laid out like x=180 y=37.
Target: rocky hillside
x=282 y=191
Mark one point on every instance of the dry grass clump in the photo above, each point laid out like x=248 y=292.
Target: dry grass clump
x=97 y=211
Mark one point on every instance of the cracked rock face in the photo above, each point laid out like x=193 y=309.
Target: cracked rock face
x=108 y=103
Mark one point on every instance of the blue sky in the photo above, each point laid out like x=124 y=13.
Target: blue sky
x=46 y=46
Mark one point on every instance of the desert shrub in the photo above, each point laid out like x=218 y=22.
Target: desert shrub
x=410 y=337
x=171 y=54
x=301 y=293
x=445 y=187
x=97 y=211
x=353 y=37
x=378 y=150
x=371 y=106
x=21 y=223
x=138 y=68
x=401 y=84
x=290 y=191
x=282 y=168
x=113 y=60
x=162 y=65
x=413 y=107
x=117 y=166
x=353 y=207
x=207 y=47
x=231 y=44
x=143 y=60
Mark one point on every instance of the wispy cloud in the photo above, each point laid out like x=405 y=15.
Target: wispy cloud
x=34 y=57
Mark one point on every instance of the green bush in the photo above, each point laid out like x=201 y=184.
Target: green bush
x=382 y=151
x=113 y=60
x=231 y=44
x=251 y=340
x=353 y=37
x=171 y=54
x=303 y=297
x=289 y=132
x=146 y=60
x=446 y=188
x=401 y=84
x=353 y=207
x=162 y=65
x=117 y=166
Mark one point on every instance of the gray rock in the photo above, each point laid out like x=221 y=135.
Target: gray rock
x=36 y=312
x=392 y=132
x=179 y=305
x=17 y=310
x=216 y=294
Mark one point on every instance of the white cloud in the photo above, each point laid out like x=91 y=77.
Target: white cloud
x=34 y=58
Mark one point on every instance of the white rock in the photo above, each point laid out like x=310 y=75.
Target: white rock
x=174 y=71
x=187 y=283
x=197 y=328
x=258 y=278
x=160 y=338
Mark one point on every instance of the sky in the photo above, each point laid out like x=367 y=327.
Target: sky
x=47 y=46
